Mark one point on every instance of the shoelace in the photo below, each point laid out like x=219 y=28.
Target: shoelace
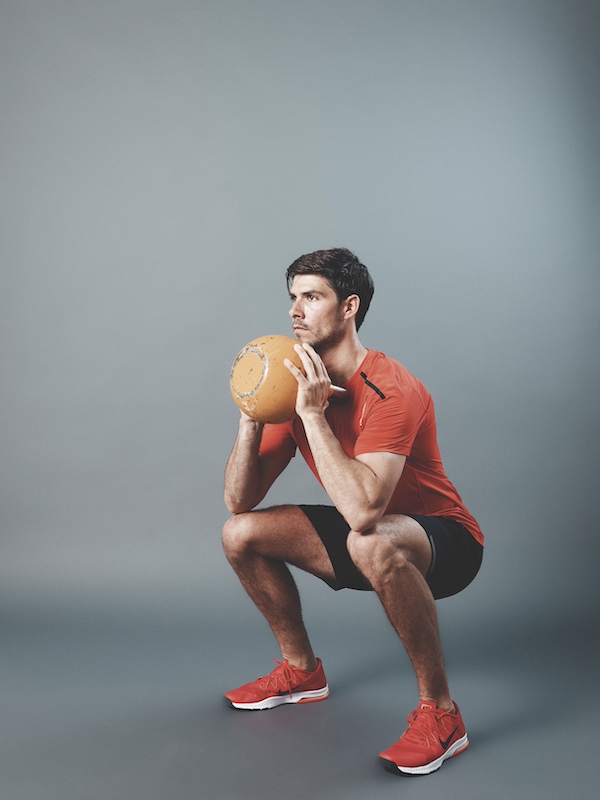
x=423 y=726
x=281 y=679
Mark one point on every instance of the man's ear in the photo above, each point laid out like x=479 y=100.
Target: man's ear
x=350 y=306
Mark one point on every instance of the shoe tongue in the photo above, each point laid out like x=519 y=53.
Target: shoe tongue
x=427 y=704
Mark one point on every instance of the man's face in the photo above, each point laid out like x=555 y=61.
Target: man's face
x=316 y=312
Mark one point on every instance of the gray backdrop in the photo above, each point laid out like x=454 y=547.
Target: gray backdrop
x=163 y=163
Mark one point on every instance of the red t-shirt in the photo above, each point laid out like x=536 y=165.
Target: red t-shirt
x=386 y=410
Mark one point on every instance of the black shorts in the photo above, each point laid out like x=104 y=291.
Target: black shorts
x=456 y=554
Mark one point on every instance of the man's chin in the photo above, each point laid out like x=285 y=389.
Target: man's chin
x=304 y=336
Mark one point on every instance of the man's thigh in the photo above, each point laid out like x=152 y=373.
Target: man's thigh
x=442 y=549
x=396 y=532
x=285 y=533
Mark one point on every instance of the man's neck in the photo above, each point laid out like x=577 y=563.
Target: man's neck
x=344 y=359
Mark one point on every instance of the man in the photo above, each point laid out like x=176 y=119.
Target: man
x=397 y=526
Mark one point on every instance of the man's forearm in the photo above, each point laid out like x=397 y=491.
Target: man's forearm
x=353 y=487
x=242 y=477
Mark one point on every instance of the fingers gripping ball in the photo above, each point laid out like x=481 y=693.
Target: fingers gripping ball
x=261 y=384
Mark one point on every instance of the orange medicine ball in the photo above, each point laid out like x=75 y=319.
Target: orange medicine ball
x=261 y=384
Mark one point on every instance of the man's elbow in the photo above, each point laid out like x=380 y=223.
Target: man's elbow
x=236 y=505
x=364 y=519
x=240 y=503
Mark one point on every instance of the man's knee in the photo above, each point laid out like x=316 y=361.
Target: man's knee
x=375 y=555
x=239 y=534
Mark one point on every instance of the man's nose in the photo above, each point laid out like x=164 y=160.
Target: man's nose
x=295 y=310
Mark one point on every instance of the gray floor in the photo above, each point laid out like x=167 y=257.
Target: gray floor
x=127 y=706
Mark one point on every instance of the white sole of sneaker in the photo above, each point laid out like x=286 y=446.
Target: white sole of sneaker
x=459 y=746
x=282 y=699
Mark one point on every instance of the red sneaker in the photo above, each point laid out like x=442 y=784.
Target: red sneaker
x=432 y=736
x=286 y=684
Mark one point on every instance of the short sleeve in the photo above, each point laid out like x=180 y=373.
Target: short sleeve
x=391 y=425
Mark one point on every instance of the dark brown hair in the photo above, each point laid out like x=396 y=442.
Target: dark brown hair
x=342 y=270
